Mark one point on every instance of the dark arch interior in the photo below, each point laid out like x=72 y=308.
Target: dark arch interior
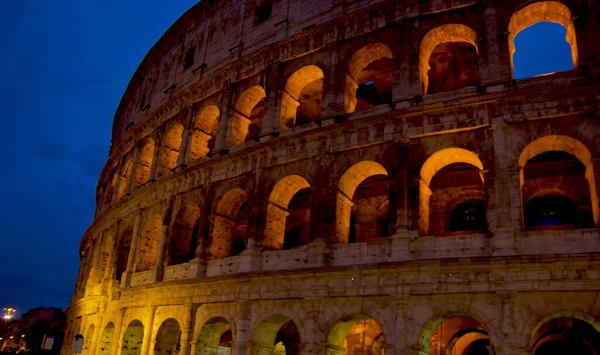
x=311 y=98
x=541 y=49
x=457 y=201
x=460 y=334
x=550 y=211
x=256 y=116
x=567 y=335
x=453 y=65
x=290 y=338
x=374 y=84
x=468 y=216
x=478 y=347
x=565 y=204
x=123 y=254
x=240 y=239
x=369 y=218
x=298 y=220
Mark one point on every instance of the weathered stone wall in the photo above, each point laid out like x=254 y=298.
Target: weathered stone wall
x=235 y=133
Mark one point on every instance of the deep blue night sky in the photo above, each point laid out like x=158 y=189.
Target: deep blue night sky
x=64 y=65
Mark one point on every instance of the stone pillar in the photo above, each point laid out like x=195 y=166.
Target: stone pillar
x=316 y=252
x=115 y=195
x=186 y=331
x=404 y=86
x=117 y=340
x=148 y=344
x=502 y=185
x=96 y=272
x=334 y=85
x=243 y=345
x=159 y=268
x=592 y=174
x=424 y=206
x=126 y=281
x=134 y=163
x=182 y=158
x=193 y=346
x=586 y=26
x=273 y=110
x=94 y=343
x=492 y=19
x=158 y=147
x=343 y=211
x=110 y=263
x=198 y=264
x=400 y=240
x=226 y=116
x=494 y=69
x=322 y=209
x=402 y=223
x=251 y=258
x=507 y=197
x=190 y=127
x=275 y=226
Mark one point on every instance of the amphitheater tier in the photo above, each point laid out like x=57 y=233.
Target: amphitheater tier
x=349 y=177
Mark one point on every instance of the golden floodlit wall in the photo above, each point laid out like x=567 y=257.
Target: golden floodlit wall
x=349 y=177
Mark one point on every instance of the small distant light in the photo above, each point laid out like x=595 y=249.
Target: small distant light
x=353 y=279
x=12 y=336
x=23 y=336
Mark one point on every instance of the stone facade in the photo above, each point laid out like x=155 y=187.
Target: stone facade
x=349 y=177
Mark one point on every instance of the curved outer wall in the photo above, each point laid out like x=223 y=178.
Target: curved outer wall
x=189 y=172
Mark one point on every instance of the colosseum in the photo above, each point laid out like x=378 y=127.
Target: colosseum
x=349 y=177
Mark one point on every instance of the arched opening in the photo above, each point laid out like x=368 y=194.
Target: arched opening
x=108 y=243
x=215 y=337
x=170 y=150
x=556 y=194
x=457 y=201
x=557 y=184
x=167 y=338
x=247 y=116
x=144 y=163
x=534 y=62
x=459 y=335
x=448 y=59
x=566 y=335
x=279 y=334
x=125 y=176
x=112 y=184
x=357 y=335
x=230 y=223
x=182 y=243
x=133 y=338
x=288 y=214
x=362 y=208
x=206 y=128
x=452 y=193
x=302 y=97
x=122 y=254
x=86 y=267
x=148 y=248
x=87 y=344
x=369 y=78
x=105 y=342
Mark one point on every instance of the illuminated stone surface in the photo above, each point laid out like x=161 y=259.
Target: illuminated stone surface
x=349 y=177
